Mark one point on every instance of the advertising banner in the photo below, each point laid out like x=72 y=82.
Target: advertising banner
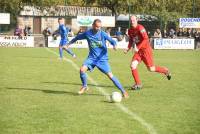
x=4 y=18
x=189 y=22
x=107 y=21
x=15 y=41
x=161 y=43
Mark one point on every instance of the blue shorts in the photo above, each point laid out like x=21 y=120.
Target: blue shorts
x=63 y=42
x=103 y=66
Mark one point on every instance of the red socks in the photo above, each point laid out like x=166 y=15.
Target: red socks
x=158 y=69
x=136 y=76
x=161 y=69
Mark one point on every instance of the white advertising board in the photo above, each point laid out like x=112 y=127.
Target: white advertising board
x=15 y=41
x=189 y=22
x=107 y=21
x=4 y=18
x=161 y=43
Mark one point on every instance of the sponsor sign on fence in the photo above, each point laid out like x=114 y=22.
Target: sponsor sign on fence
x=5 y=18
x=189 y=22
x=161 y=43
x=107 y=21
x=15 y=41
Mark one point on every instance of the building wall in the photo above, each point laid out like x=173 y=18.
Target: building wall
x=51 y=22
x=23 y=21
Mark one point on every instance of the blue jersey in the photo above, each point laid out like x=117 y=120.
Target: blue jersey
x=63 y=31
x=96 y=43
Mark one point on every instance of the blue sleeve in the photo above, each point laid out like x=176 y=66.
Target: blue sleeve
x=112 y=42
x=67 y=30
x=78 y=37
x=64 y=30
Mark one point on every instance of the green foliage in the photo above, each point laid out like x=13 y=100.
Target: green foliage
x=167 y=10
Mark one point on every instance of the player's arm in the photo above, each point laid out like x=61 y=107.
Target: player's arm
x=78 y=37
x=130 y=44
x=112 y=42
x=56 y=33
x=144 y=38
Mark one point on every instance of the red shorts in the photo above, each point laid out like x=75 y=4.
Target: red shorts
x=144 y=55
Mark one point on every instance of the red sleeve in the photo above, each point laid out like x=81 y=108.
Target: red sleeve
x=130 y=44
x=143 y=37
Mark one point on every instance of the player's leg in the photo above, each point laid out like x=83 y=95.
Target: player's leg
x=104 y=67
x=83 y=77
x=68 y=50
x=134 y=63
x=87 y=65
x=60 y=51
x=117 y=83
x=148 y=60
x=162 y=70
x=62 y=43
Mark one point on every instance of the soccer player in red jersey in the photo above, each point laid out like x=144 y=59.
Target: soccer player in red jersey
x=139 y=41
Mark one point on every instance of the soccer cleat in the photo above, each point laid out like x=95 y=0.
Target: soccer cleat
x=169 y=76
x=136 y=87
x=82 y=90
x=74 y=56
x=125 y=95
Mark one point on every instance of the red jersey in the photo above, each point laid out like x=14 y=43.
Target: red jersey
x=139 y=37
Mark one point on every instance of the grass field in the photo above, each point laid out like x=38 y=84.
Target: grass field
x=38 y=95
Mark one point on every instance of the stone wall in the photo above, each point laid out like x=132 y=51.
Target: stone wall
x=23 y=21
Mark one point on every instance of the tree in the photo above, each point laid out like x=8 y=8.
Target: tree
x=116 y=6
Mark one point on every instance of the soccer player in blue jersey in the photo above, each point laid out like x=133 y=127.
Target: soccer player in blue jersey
x=63 y=31
x=98 y=55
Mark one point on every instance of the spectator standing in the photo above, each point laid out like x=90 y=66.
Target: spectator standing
x=180 y=32
x=27 y=31
x=46 y=32
x=118 y=34
x=18 y=31
x=157 y=33
x=172 y=33
x=189 y=33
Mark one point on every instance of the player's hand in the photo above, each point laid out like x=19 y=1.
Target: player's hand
x=115 y=47
x=126 y=51
x=136 y=49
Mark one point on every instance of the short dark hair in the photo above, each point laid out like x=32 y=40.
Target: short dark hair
x=60 y=18
x=95 y=21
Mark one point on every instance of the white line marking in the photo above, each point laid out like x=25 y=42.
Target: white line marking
x=136 y=117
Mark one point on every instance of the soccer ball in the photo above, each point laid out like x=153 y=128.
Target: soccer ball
x=116 y=97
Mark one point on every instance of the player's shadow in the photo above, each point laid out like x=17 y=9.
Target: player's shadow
x=78 y=84
x=50 y=91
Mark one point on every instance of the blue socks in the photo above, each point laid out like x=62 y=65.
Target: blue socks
x=83 y=77
x=117 y=84
x=61 y=52
x=69 y=51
